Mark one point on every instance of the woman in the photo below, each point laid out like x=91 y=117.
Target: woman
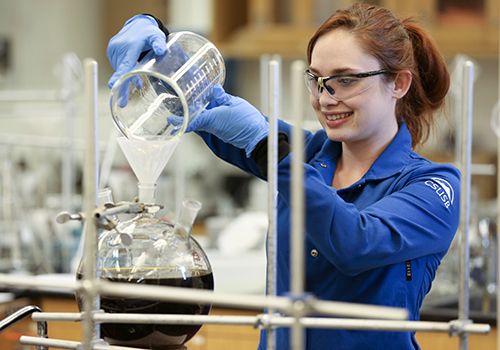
x=379 y=217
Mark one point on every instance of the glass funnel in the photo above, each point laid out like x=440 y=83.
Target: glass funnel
x=162 y=94
x=147 y=250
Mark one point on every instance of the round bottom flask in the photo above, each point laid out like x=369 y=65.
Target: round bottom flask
x=146 y=250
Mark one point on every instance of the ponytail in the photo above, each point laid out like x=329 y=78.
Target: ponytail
x=431 y=81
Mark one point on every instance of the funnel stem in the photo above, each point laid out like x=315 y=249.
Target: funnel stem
x=146 y=192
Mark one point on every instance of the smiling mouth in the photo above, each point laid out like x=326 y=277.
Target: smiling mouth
x=338 y=116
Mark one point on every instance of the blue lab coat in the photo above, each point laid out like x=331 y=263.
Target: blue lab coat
x=379 y=241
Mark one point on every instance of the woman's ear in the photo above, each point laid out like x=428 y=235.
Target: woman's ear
x=401 y=84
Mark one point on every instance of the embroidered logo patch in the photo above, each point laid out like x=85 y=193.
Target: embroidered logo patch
x=443 y=189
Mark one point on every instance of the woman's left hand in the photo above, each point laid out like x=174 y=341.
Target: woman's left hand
x=232 y=120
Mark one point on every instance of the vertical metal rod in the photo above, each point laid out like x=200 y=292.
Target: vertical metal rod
x=67 y=156
x=264 y=83
x=458 y=109
x=67 y=142
x=498 y=209
x=272 y=179
x=91 y=273
x=297 y=261
x=465 y=189
x=498 y=212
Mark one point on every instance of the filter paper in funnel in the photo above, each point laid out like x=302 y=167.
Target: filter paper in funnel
x=147 y=158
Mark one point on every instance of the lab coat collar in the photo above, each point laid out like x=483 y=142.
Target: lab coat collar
x=394 y=157
x=392 y=160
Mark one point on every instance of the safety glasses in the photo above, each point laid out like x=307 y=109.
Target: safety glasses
x=340 y=87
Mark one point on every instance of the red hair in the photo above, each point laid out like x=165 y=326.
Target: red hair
x=398 y=45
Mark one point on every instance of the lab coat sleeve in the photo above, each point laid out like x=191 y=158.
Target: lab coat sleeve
x=236 y=156
x=413 y=220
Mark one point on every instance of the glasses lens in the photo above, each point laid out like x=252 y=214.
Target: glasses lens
x=312 y=84
x=346 y=87
x=341 y=87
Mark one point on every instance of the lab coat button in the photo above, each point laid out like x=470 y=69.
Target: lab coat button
x=314 y=253
x=323 y=165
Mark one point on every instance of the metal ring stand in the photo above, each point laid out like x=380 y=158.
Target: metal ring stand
x=296 y=309
x=465 y=194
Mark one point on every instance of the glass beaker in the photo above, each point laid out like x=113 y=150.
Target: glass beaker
x=162 y=94
x=158 y=253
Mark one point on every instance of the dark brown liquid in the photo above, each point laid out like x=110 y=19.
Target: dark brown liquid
x=178 y=334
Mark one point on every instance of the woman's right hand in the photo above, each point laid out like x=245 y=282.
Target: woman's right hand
x=139 y=34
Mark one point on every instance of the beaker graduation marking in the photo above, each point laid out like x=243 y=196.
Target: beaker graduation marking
x=188 y=65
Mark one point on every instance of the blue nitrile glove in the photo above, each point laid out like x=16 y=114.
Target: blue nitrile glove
x=139 y=34
x=232 y=120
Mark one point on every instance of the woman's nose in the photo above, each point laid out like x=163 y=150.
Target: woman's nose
x=326 y=100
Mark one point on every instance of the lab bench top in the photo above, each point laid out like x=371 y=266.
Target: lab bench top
x=448 y=314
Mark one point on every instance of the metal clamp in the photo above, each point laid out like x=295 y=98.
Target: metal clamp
x=302 y=305
x=264 y=320
x=457 y=327
x=65 y=216
x=102 y=214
